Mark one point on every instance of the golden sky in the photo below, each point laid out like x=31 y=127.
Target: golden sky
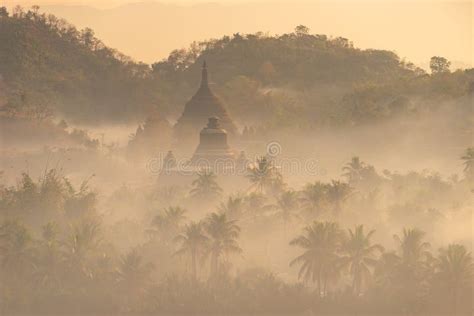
x=415 y=29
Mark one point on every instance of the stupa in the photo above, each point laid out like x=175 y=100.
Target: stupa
x=213 y=148
x=203 y=105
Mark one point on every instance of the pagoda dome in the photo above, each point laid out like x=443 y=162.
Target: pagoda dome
x=203 y=105
x=212 y=144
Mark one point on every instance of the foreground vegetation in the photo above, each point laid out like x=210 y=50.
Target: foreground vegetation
x=59 y=255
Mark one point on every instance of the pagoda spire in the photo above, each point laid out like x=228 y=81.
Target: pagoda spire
x=204 y=80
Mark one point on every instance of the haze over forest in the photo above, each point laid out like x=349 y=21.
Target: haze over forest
x=310 y=170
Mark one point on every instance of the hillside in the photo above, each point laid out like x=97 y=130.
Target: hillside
x=47 y=62
x=295 y=79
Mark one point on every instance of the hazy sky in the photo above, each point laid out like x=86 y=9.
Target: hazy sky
x=415 y=29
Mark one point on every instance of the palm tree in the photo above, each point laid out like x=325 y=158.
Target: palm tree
x=255 y=203
x=468 y=158
x=193 y=242
x=454 y=271
x=223 y=235
x=233 y=207
x=353 y=170
x=286 y=204
x=321 y=243
x=359 y=256
x=205 y=186
x=263 y=175
x=168 y=223
x=313 y=197
x=133 y=277
x=80 y=244
x=412 y=247
x=413 y=271
x=337 y=192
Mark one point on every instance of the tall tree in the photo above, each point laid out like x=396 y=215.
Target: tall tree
x=233 y=207
x=287 y=204
x=205 y=187
x=133 y=278
x=313 y=198
x=168 y=223
x=264 y=176
x=353 y=170
x=360 y=256
x=414 y=268
x=468 y=159
x=337 y=192
x=223 y=235
x=439 y=65
x=193 y=242
x=454 y=272
x=321 y=243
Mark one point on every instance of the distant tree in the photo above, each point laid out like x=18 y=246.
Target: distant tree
x=287 y=204
x=301 y=30
x=79 y=247
x=337 y=192
x=414 y=269
x=313 y=198
x=255 y=203
x=321 y=243
x=359 y=254
x=233 y=207
x=47 y=268
x=3 y=12
x=454 y=272
x=263 y=175
x=15 y=249
x=168 y=223
x=413 y=249
x=353 y=170
x=439 y=65
x=205 y=187
x=223 y=235
x=468 y=159
x=133 y=278
x=193 y=242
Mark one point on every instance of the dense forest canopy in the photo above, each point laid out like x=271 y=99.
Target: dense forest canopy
x=48 y=63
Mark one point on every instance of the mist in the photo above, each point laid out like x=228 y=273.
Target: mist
x=248 y=174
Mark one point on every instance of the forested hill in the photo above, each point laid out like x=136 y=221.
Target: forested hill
x=47 y=63
x=299 y=59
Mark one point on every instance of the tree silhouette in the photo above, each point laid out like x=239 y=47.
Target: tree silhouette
x=287 y=204
x=168 y=223
x=337 y=192
x=193 y=242
x=233 y=207
x=353 y=170
x=313 y=198
x=321 y=243
x=264 y=176
x=439 y=65
x=454 y=271
x=223 y=235
x=205 y=187
x=468 y=159
x=359 y=256
x=133 y=278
